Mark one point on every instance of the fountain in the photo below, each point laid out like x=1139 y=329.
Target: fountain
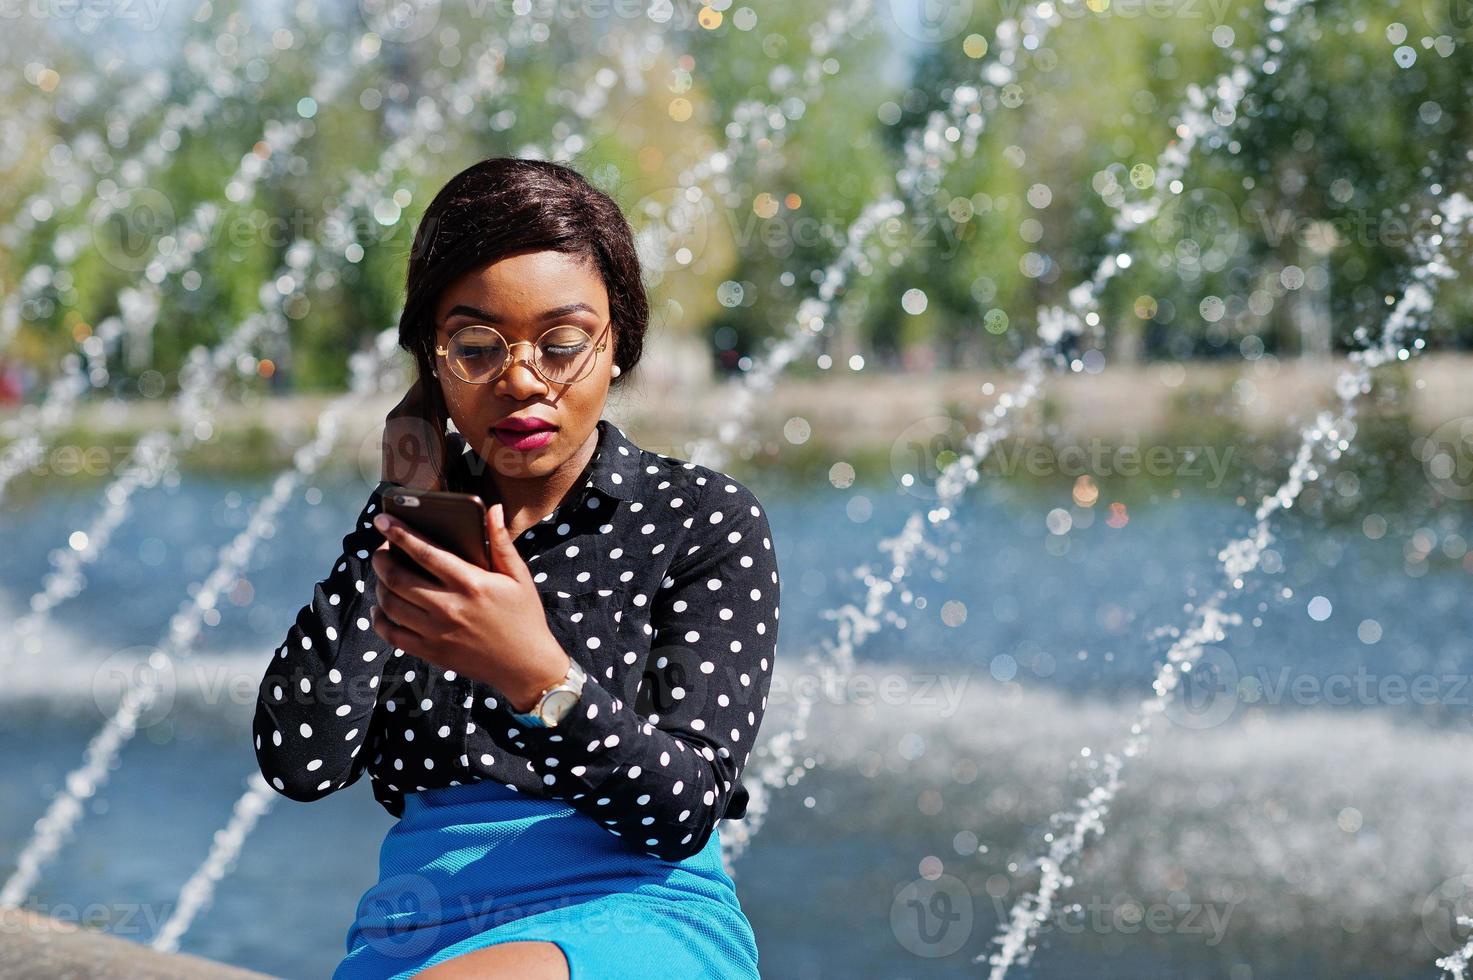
x=949 y=135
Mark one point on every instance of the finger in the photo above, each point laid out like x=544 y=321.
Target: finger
x=404 y=611
x=449 y=568
x=504 y=555
x=400 y=575
x=401 y=637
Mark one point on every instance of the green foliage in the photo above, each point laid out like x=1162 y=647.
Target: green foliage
x=1013 y=226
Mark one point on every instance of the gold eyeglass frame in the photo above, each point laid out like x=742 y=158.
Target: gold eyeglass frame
x=443 y=351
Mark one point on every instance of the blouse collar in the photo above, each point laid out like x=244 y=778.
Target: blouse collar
x=616 y=468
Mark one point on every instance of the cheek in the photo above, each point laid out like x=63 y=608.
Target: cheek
x=461 y=406
x=459 y=398
x=593 y=394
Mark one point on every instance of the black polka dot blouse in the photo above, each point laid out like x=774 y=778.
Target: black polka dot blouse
x=658 y=576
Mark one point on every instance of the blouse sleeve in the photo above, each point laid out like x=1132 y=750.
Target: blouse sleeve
x=662 y=782
x=321 y=686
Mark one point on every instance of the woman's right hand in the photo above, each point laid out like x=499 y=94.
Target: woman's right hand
x=413 y=452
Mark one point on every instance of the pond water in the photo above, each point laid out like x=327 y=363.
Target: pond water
x=1301 y=816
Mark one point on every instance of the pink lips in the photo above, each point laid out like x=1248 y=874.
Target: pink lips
x=523 y=439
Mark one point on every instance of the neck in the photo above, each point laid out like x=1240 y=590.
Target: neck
x=526 y=500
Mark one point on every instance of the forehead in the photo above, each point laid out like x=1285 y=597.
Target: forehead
x=517 y=289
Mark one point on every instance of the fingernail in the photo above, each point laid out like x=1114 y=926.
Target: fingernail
x=381 y=522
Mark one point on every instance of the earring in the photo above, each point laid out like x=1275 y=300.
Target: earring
x=434 y=373
x=617 y=370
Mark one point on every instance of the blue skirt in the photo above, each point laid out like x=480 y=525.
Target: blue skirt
x=479 y=864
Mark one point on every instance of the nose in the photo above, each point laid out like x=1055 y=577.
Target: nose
x=518 y=379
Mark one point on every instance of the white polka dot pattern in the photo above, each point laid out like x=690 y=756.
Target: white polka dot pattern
x=660 y=578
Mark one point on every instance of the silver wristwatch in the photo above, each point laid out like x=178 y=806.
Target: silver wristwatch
x=555 y=702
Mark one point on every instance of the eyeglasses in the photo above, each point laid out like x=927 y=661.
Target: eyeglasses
x=479 y=354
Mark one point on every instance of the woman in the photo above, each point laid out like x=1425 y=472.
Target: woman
x=558 y=735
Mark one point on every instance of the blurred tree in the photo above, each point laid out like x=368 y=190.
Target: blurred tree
x=1238 y=263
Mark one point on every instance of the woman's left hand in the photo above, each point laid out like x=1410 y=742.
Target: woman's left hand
x=487 y=625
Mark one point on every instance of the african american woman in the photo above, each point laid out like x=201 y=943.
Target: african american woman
x=560 y=734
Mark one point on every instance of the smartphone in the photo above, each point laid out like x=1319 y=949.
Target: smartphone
x=454 y=522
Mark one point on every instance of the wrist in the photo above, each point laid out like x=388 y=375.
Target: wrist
x=525 y=694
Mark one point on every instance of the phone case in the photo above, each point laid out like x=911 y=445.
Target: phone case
x=455 y=522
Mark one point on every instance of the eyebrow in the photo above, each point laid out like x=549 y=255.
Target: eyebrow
x=462 y=309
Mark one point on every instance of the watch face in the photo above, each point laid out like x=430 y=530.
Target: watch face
x=558 y=704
